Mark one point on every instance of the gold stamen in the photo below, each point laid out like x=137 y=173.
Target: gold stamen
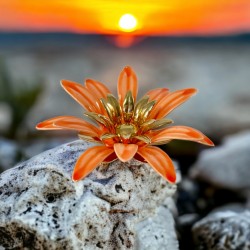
x=108 y=136
x=113 y=108
x=144 y=112
x=126 y=131
x=143 y=138
x=86 y=138
x=160 y=142
x=142 y=102
x=128 y=107
x=99 y=119
x=155 y=124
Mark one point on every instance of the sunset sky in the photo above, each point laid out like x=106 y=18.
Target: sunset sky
x=159 y=17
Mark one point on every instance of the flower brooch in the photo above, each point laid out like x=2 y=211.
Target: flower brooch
x=125 y=128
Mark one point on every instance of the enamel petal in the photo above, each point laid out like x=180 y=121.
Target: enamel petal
x=127 y=81
x=171 y=101
x=50 y=123
x=177 y=132
x=96 y=88
x=82 y=95
x=125 y=152
x=157 y=94
x=206 y=141
x=89 y=160
x=159 y=161
x=79 y=125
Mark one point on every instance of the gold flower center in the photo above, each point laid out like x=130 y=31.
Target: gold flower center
x=126 y=131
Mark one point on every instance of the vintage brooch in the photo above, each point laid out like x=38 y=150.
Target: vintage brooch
x=125 y=128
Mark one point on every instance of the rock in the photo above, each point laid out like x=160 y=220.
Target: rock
x=157 y=232
x=40 y=206
x=226 y=166
x=223 y=230
x=9 y=153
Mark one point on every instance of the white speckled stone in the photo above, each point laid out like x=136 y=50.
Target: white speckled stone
x=223 y=230
x=227 y=165
x=157 y=232
x=40 y=206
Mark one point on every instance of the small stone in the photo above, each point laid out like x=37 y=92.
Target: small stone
x=40 y=206
x=223 y=230
x=226 y=166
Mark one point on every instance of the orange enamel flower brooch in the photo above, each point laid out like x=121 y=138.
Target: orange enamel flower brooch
x=125 y=128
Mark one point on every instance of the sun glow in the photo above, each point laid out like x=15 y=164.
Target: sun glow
x=128 y=23
x=140 y=18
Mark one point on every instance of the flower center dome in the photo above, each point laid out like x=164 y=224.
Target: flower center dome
x=126 y=131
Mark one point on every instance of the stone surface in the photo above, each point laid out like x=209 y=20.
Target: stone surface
x=226 y=166
x=157 y=232
x=223 y=231
x=41 y=207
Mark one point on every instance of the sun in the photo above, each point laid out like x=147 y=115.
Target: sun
x=128 y=23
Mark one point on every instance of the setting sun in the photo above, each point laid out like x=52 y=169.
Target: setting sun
x=145 y=18
x=128 y=23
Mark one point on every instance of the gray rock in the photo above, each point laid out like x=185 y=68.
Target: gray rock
x=224 y=231
x=157 y=232
x=40 y=206
x=233 y=207
x=227 y=165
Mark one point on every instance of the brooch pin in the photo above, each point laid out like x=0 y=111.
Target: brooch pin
x=125 y=128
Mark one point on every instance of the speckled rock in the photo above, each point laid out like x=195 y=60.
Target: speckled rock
x=157 y=232
x=226 y=166
x=223 y=231
x=41 y=207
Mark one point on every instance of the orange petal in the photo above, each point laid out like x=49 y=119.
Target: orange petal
x=157 y=94
x=110 y=158
x=125 y=152
x=81 y=95
x=171 y=101
x=78 y=124
x=89 y=160
x=71 y=123
x=159 y=161
x=127 y=81
x=179 y=133
x=98 y=90
x=49 y=124
x=206 y=141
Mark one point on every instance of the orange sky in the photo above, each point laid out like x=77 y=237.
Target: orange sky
x=168 y=17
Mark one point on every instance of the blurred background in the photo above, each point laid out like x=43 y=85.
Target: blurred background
x=169 y=43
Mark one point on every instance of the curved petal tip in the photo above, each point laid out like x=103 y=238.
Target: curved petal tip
x=207 y=141
x=125 y=152
x=128 y=70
